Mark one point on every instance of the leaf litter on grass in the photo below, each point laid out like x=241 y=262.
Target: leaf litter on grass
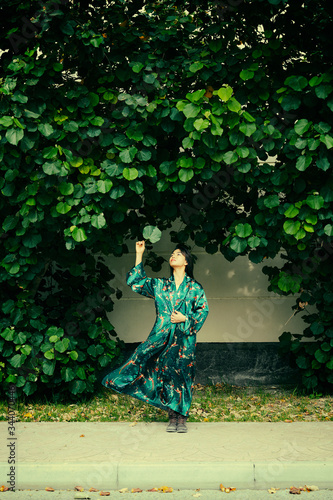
x=211 y=403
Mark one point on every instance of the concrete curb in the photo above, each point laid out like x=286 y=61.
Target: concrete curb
x=203 y=475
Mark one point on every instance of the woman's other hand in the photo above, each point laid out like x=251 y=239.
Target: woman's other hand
x=177 y=317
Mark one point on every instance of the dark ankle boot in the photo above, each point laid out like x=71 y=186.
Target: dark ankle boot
x=172 y=427
x=181 y=427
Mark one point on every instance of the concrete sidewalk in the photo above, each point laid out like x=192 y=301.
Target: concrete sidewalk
x=114 y=455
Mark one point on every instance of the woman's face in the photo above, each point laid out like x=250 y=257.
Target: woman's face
x=177 y=259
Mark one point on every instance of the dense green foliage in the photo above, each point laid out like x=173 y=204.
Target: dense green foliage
x=119 y=117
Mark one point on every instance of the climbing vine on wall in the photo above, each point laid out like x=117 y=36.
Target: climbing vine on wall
x=117 y=118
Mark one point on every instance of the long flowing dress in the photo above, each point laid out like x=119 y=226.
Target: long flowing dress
x=161 y=369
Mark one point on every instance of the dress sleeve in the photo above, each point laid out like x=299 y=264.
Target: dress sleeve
x=197 y=316
x=140 y=283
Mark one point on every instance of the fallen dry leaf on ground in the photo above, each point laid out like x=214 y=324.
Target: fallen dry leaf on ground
x=166 y=489
x=123 y=490
x=105 y=493
x=227 y=489
x=295 y=491
x=78 y=488
x=93 y=489
x=82 y=436
x=153 y=489
x=273 y=490
x=3 y=488
x=48 y=488
x=312 y=488
x=136 y=490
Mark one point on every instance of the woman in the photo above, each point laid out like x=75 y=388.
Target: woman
x=161 y=370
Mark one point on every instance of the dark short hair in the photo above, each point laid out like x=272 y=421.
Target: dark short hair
x=187 y=254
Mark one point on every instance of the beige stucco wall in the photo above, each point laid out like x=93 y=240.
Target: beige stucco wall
x=241 y=308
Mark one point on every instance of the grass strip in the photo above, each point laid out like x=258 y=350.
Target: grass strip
x=211 y=403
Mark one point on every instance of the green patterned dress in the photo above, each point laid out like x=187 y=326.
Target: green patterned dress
x=161 y=369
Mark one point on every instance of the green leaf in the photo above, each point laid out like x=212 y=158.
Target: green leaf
x=144 y=155
x=325 y=139
x=98 y=221
x=52 y=168
x=127 y=156
x=48 y=367
x=291 y=211
x=315 y=201
x=104 y=186
x=302 y=126
x=191 y=110
x=311 y=219
x=135 y=134
x=77 y=386
x=6 y=121
x=66 y=188
x=303 y=162
x=79 y=234
x=237 y=244
x=297 y=83
x=224 y=93
x=328 y=230
x=195 y=96
x=14 y=135
x=272 y=201
x=67 y=374
x=10 y=222
x=243 y=230
x=45 y=129
x=321 y=356
x=152 y=233
x=253 y=241
x=234 y=105
x=246 y=74
x=62 y=345
x=17 y=360
x=130 y=173
x=71 y=126
x=248 y=128
x=50 y=153
x=31 y=240
x=137 y=67
x=291 y=227
x=323 y=91
x=229 y=157
x=117 y=192
x=185 y=175
x=19 y=97
x=288 y=283
x=63 y=207
x=323 y=164
x=201 y=124
x=196 y=66
x=168 y=167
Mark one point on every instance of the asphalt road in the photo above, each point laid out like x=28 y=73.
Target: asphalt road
x=175 y=495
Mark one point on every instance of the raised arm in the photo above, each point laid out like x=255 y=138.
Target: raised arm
x=140 y=248
x=137 y=278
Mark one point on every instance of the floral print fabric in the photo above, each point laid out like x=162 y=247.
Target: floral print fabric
x=161 y=370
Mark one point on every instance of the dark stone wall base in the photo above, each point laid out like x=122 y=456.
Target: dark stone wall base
x=241 y=363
